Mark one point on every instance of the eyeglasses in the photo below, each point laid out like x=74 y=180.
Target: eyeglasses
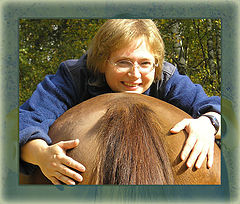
x=126 y=65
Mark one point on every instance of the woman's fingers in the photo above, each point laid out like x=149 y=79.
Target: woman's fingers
x=67 y=168
x=197 y=150
x=55 y=181
x=68 y=144
x=180 y=126
x=70 y=173
x=62 y=173
x=210 y=155
x=69 y=162
x=200 y=141
x=58 y=167
x=188 y=146
x=64 y=178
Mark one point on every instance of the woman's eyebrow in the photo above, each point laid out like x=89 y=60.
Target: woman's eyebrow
x=128 y=58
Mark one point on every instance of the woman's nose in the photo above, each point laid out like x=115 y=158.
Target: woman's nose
x=134 y=72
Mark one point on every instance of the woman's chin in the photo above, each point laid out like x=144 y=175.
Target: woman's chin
x=138 y=91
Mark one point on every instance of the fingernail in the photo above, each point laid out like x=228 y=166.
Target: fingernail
x=83 y=168
x=72 y=183
x=79 y=178
x=189 y=164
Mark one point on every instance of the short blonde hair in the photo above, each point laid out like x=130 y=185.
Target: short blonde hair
x=114 y=34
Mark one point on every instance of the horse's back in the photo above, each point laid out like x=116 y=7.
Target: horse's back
x=81 y=122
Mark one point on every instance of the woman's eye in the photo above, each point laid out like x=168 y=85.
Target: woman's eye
x=146 y=64
x=124 y=63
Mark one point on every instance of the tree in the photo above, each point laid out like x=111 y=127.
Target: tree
x=193 y=45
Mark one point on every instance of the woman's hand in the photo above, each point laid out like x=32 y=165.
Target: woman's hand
x=200 y=142
x=53 y=161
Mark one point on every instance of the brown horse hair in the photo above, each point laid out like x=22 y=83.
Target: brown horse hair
x=131 y=150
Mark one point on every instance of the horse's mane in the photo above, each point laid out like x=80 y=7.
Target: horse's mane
x=130 y=149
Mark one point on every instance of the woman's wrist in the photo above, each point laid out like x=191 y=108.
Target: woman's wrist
x=32 y=150
x=215 y=121
x=208 y=124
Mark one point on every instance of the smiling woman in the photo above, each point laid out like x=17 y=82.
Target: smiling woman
x=116 y=35
x=126 y=75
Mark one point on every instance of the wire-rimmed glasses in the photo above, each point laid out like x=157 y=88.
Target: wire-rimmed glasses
x=126 y=65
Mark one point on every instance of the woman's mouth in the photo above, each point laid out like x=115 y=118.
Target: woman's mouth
x=132 y=85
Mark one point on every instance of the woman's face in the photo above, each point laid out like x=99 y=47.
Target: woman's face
x=133 y=80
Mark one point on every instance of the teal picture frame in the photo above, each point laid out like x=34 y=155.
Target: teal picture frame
x=12 y=11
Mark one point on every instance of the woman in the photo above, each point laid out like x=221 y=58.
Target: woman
x=124 y=56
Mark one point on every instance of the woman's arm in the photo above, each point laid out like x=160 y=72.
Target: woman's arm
x=53 y=96
x=183 y=93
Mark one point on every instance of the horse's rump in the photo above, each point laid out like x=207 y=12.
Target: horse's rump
x=125 y=139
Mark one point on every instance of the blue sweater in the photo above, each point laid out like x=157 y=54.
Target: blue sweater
x=69 y=86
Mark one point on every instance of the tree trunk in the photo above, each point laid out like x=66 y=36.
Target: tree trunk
x=218 y=51
x=179 y=57
x=210 y=49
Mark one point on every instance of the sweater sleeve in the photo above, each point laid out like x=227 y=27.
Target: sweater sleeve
x=52 y=97
x=191 y=98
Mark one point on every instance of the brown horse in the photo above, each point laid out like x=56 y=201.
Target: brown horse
x=125 y=139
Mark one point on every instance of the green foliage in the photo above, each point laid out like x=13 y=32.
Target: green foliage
x=45 y=43
x=195 y=36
